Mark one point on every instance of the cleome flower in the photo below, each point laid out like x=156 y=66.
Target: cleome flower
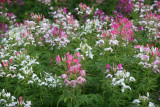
x=74 y=75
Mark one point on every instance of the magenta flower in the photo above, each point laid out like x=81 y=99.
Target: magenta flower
x=76 y=61
x=20 y=98
x=137 y=46
x=5 y=63
x=70 y=57
x=10 y=60
x=64 y=10
x=8 y=1
x=74 y=70
x=68 y=62
x=70 y=72
x=119 y=66
x=58 y=59
x=108 y=66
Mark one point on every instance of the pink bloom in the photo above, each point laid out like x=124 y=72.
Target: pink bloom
x=104 y=35
x=137 y=46
x=64 y=76
x=70 y=72
x=39 y=18
x=8 y=1
x=75 y=71
x=20 y=98
x=67 y=82
x=70 y=57
x=58 y=59
x=16 y=53
x=40 y=39
x=83 y=73
x=152 y=53
x=23 y=34
x=5 y=63
x=64 y=10
x=74 y=82
x=54 y=32
x=69 y=66
x=79 y=69
x=0 y=46
x=80 y=80
x=10 y=60
x=78 y=54
x=76 y=61
x=119 y=66
x=68 y=62
x=67 y=54
x=31 y=14
x=108 y=66
x=145 y=57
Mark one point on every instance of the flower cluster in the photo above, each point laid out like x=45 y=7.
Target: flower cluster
x=150 y=24
x=10 y=101
x=143 y=100
x=91 y=26
x=48 y=80
x=100 y=14
x=149 y=56
x=122 y=27
x=10 y=18
x=84 y=9
x=121 y=31
x=120 y=77
x=74 y=75
x=85 y=48
x=56 y=36
x=83 y=12
x=124 y=6
x=65 y=20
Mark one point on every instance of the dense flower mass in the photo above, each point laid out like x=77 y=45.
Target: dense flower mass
x=79 y=55
x=124 y=6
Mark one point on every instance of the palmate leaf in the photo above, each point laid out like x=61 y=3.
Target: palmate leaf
x=66 y=98
x=91 y=99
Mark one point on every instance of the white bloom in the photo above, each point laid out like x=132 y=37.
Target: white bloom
x=132 y=79
x=20 y=76
x=91 y=55
x=8 y=95
x=3 y=100
x=114 y=42
x=109 y=75
x=28 y=104
x=30 y=82
x=151 y=104
x=136 y=101
x=107 y=49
